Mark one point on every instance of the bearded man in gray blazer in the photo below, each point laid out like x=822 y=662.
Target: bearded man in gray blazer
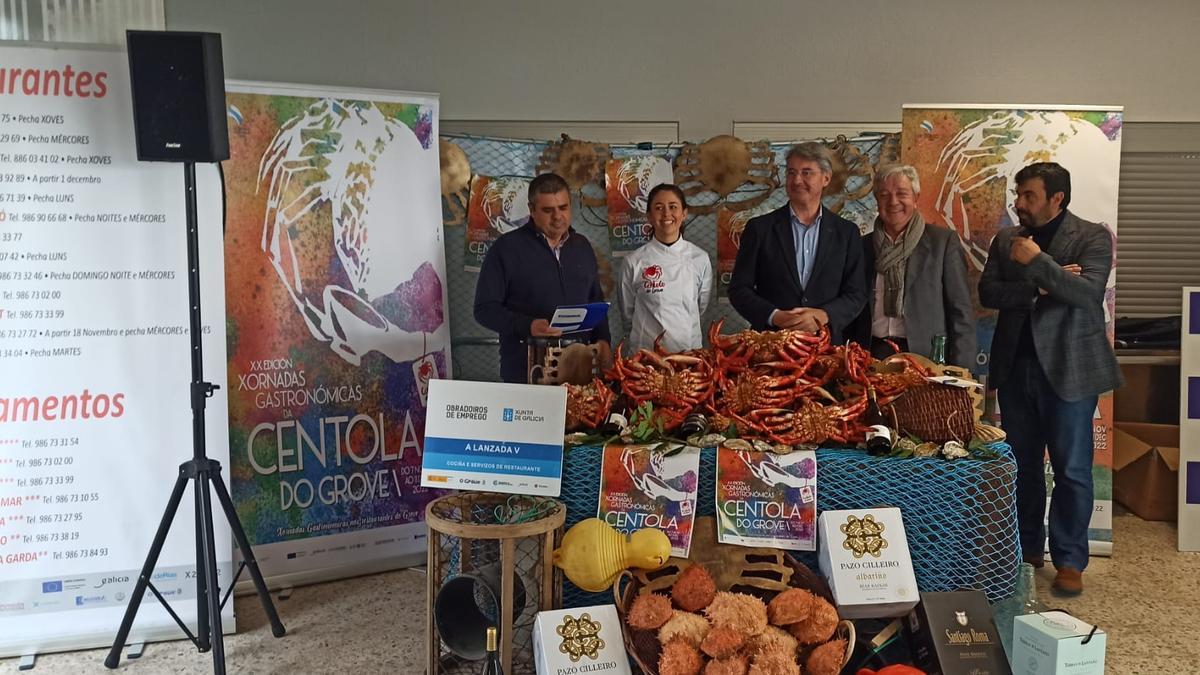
x=916 y=278
x=1051 y=360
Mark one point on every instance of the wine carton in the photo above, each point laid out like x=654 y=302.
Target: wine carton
x=1057 y=643
x=864 y=553
x=580 y=640
x=954 y=634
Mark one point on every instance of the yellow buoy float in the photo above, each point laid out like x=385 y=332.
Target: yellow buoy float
x=592 y=553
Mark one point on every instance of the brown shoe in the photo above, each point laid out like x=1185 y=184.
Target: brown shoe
x=1068 y=581
x=1038 y=561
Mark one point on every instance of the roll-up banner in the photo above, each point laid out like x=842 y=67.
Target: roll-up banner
x=967 y=157
x=336 y=296
x=95 y=416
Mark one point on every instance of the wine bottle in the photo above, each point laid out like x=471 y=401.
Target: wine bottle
x=937 y=352
x=618 y=418
x=491 y=665
x=879 y=434
x=694 y=424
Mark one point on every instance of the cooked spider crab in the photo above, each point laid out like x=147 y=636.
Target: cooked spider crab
x=754 y=347
x=588 y=405
x=770 y=385
x=720 y=167
x=456 y=183
x=345 y=171
x=676 y=384
x=581 y=164
x=810 y=423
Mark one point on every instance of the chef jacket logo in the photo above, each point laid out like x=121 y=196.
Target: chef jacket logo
x=651 y=279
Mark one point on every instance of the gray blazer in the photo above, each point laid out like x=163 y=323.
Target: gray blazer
x=937 y=297
x=1068 y=322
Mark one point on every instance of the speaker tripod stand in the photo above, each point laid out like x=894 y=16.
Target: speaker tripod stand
x=203 y=473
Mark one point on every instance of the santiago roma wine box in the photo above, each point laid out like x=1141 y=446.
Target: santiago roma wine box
x=954 y=634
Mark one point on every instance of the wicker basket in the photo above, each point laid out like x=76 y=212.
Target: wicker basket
x=762 y=572
x=935 y=413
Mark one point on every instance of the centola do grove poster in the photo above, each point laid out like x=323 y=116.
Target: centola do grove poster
x=337 y=321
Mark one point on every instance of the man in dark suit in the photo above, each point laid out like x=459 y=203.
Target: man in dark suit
x=1051 y=360
x=916 y=278
x=800 y=266
x=531 y=271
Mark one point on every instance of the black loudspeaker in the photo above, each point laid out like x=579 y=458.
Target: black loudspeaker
x=178 y=85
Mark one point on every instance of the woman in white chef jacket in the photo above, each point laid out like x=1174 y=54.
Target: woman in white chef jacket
x=665 y=284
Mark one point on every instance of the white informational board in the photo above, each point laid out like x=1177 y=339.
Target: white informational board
x=495 y=437
x=95 y=357
x=1189 y=423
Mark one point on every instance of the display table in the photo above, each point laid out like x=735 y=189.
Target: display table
x=960 y=515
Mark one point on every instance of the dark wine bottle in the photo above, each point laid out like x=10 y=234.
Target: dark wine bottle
x=694 y=424
x=618 y=417
x=879 y=434
x=491 y=664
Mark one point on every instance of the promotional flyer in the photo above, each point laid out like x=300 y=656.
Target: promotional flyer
x=651 y=486
x=764 y=499
x=628 y=183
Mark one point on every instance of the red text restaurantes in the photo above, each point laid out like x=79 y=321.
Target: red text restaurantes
x=69 y=407
x=53 y=82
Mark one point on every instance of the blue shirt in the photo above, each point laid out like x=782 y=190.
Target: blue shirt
x=805 y=236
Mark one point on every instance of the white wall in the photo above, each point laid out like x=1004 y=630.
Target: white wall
x=706 y=63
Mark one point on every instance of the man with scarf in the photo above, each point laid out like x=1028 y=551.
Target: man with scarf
x=916 y=278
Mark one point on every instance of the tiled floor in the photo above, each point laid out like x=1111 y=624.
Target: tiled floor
x=1146 y=596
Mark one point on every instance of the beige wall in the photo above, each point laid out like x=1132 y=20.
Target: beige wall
x=706 y=63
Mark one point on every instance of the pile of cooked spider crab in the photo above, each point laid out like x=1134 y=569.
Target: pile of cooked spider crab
x=784 y=387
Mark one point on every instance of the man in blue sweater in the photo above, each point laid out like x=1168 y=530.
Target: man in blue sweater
x=531 y=271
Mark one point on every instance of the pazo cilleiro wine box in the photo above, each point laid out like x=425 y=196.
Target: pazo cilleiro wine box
x=864 y=553
x=580 y=640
